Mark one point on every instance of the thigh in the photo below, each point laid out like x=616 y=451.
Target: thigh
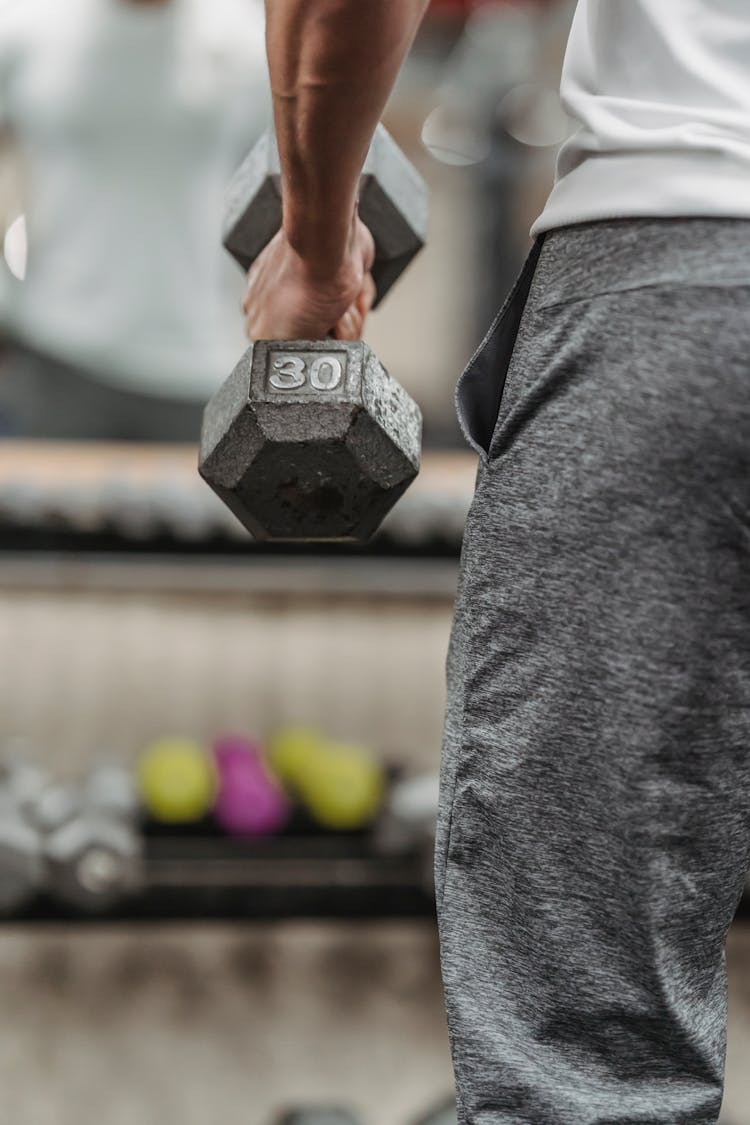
x=599 y=830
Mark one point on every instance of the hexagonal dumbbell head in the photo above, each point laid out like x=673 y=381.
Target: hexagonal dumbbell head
x=94 y=861
x=409 y=817
x=57 y=803
x=92 y=846
x=110 y=789
x=393 y=203
x=43 y=802
x=21 y=860
x=310 y=440
x=21 y=782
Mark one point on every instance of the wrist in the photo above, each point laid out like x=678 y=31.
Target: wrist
x=322 y=245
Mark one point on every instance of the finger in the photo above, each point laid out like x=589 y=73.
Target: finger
x=252 y=281
x=348 y=326
x=250 y=317
x=367 y=246
x=366 y=298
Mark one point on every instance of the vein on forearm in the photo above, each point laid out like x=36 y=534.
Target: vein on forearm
x=332 y=65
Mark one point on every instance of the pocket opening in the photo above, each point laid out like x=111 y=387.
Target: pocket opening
x=479 y=390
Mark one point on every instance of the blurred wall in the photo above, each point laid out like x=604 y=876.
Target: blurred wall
x=94 y=673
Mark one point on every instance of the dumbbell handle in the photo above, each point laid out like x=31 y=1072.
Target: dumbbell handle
x=315 y=440
x=393 y=204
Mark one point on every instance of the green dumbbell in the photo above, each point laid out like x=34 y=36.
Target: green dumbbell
x=341 y=786
x=176 y=779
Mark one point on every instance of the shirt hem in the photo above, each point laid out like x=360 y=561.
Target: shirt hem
x=605 y=188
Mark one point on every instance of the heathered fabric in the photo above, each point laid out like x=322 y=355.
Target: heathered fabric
x=593 y=838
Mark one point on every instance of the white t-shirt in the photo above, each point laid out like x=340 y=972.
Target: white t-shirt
x=660 y=93
x=131 y=119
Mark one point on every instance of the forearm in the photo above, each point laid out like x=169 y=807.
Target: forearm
x=333 y=64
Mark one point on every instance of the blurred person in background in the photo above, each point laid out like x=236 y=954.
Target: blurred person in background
x=499 y=98
x=129 y=118
x=594 y=832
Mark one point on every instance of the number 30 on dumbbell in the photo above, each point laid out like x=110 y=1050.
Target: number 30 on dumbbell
x=314 y=440
x=322 y=372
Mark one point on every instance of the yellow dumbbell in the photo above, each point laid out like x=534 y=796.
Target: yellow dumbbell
x=342 y=787
x=176 y=780
x=290 y=753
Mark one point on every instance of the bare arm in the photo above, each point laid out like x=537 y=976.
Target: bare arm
x=332 y=64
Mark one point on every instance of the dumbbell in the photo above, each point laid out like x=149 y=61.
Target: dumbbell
x=291 y=750
x=79 y=842
x=32 y=808
x=393 y=203
x=314 y=440
x=407 y=823
x=410 y=814
x=344 y=789
x=21 y=859
x=22 y=866
x=176 y=780
x=341 y=786
x=94 y=856
x=249 y=801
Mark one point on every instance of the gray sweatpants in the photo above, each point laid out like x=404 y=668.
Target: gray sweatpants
x=593 y=839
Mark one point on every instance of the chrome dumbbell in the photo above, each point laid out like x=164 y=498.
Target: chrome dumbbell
x=22 y=868
x=94 y=855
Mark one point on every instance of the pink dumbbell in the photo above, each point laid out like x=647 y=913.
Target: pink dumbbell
x=249 y=801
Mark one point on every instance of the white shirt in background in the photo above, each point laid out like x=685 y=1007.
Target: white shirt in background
x=660 y=93
x=130 y=121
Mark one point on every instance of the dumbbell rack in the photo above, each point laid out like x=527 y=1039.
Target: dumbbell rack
x=59 y=532
x=145 y=499
x=212 y=877
x=97 y=518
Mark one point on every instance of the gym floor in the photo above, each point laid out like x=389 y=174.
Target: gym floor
x=207 y=1024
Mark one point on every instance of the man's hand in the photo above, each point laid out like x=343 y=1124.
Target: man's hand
x=288 y=299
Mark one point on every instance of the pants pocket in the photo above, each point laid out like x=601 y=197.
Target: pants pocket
x=479 y=391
